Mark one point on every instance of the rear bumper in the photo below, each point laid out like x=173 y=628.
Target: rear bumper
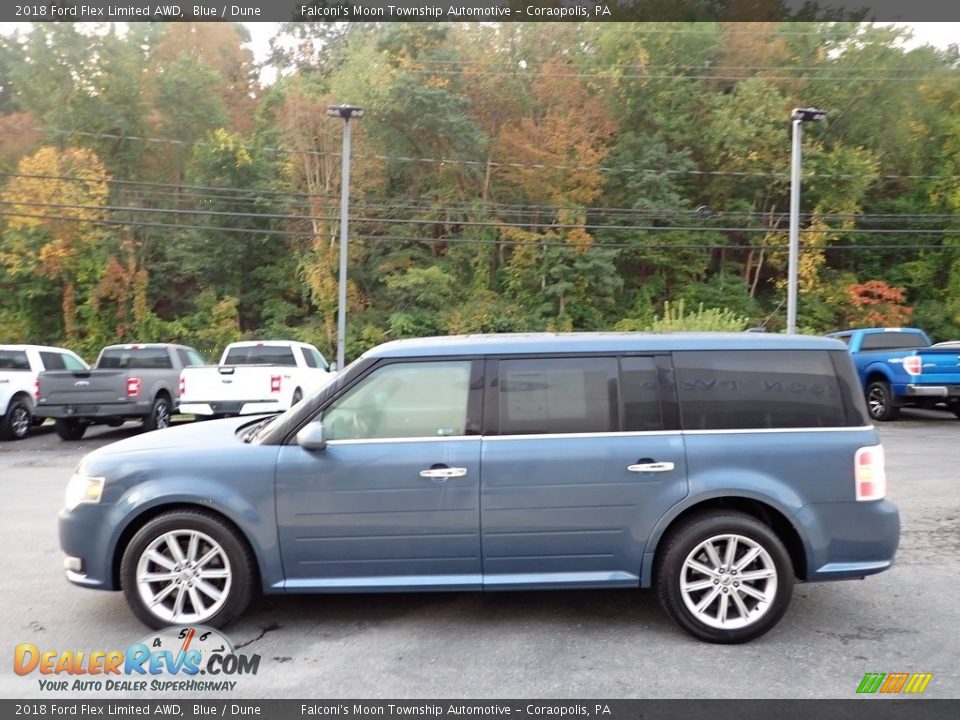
x=927 y=391
x=239 y=407
x=845 y=540
x=91 y=410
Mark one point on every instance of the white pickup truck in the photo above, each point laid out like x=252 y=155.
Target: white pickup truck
x=19 y=388
x=254 y=377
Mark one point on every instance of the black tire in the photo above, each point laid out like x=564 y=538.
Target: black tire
x=160 y=414
x=880 y=403
x=242 y=568
x=297 y=397
x=689 y=538
x=16 y=423
x=69 y=429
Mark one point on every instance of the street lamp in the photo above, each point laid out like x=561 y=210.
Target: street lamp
x=346 y=112
x=798 y=116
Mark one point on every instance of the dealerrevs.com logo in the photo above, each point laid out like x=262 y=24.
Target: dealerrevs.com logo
x=190 y=658
x=894 y=683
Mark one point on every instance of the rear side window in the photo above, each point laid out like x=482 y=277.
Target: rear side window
x=52 y=361
x=261 y=355
x=14 y=360
x=767 y=389
x=892 y=341
x=135 y=359
x=558 y=395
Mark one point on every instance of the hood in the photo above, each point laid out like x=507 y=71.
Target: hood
x=207 y=435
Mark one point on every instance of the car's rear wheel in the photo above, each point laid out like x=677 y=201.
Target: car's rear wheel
x=880 y=401
x=187 y=567
x=725 y=578
x=69 y=429
x=15 y=425
x=159 y=416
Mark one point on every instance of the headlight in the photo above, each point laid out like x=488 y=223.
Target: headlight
x=83 y=489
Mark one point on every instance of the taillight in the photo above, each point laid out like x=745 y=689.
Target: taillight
x=913 y=364
x=871 y=474
x=36 y=389
x=133 y=386
x=183 y=385
x=274 y=383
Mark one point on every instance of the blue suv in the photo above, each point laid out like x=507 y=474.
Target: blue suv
x=718 y=469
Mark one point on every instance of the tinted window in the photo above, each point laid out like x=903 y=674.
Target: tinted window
x=312 y=357
x=640 y=392
x=892 y=341
x=189 y=357
x=402 y=400
x=758 y=390
x=261 y=355
x=558 y=395
x=14 y=360
x=72 y=363
x=52 y=361
x=143 y=358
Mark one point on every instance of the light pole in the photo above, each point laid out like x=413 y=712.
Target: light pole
x=798 y=116
x=346 y=112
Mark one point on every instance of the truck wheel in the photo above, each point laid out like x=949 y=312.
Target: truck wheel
x=69 y=429
x=15 y=425
x=187 y=567
x=724 y=578
x=297 y=397
x=880 y=401
x=159 y=416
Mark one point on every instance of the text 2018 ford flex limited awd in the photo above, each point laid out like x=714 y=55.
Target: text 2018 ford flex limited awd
x=719 y=469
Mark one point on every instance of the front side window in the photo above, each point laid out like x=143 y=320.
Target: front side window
x=52 y=360
x=70 y=362
x=558 y=395
x=403 y=400
x=745 y=389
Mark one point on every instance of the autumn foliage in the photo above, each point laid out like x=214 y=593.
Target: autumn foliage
x=876 y=304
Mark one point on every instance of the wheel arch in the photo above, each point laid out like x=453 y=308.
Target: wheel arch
x=138 y=521
x=767 y=513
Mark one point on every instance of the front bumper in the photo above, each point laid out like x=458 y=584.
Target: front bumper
x=84 y=538
x=847 y=540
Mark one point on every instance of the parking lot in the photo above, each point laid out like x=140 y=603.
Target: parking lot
x=561 y=644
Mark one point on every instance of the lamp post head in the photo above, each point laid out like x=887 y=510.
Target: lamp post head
x=345 y=111
x=808 y=114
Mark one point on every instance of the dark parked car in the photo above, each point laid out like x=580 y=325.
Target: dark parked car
x=719 y=469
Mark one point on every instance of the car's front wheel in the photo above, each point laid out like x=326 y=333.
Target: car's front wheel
x=187 y=567
x=725 y=578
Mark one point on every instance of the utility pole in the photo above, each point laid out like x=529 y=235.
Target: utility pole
x=346 y=112
x=798 y=116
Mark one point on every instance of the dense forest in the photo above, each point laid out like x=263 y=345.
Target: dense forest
x=157 y=184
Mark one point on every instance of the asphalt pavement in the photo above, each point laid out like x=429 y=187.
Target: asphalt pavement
x=573 y=644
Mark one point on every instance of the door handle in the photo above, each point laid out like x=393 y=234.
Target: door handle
x=651 y=467
x=443 y=472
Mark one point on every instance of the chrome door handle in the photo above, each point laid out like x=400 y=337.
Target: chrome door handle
x=443 y=472
x=651 y=467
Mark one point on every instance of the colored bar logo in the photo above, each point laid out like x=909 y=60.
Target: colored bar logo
x=893 y=683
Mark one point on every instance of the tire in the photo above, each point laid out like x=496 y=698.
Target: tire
x=230 y=573
x=702 y=611
x=880 y=402
x=159 y=417
x=16 y=424
x=297 y=397
x=69 y=429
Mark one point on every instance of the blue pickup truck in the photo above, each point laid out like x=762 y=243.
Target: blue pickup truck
x=898 y=367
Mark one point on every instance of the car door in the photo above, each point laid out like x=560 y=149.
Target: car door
x=392 y=501
x=577 y=469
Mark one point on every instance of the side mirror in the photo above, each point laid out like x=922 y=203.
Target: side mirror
x=312 y=436
x=332 y=367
